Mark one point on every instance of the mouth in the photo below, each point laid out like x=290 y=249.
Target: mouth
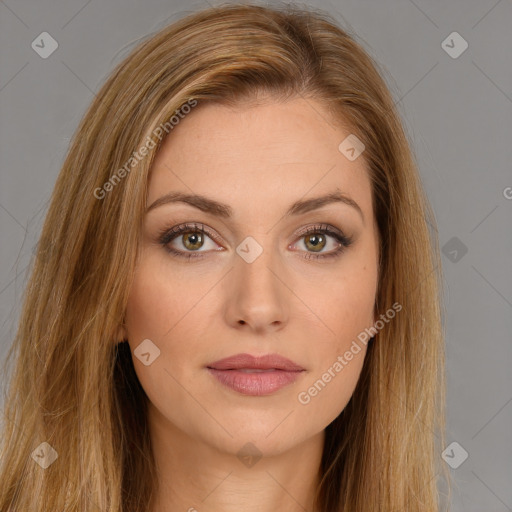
x=255 y=376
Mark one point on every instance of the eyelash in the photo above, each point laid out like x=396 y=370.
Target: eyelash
x=168 y=235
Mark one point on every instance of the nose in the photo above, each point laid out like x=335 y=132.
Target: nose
x=257 y=296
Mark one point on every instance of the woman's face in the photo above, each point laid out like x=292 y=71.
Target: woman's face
x=264 y=278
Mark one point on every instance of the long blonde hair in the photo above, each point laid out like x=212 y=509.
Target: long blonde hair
x=74 y=388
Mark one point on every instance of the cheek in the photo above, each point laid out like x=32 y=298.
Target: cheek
x=325 y=395
x=149 y=306
x=159 y=309
x=157 y=313
x=161 y=300
x=338 y=358
x=344 y=309
x=172 y=309
x=344 y=304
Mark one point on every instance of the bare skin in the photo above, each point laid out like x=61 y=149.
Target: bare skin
x=259 y=161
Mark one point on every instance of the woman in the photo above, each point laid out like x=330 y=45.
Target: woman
x=234 y=303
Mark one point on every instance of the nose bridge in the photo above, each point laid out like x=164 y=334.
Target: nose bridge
x=255 y=262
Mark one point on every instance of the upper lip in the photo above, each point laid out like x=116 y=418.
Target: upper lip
x=249 y=362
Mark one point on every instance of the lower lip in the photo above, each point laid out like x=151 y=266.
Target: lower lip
x=257 y=383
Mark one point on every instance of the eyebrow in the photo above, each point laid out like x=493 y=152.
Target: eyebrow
x=218 y=209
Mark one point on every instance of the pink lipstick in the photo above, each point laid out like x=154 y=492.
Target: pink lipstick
x=255 y=376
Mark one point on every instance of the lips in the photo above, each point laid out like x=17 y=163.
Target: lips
x=255 y=376
x=248 y=362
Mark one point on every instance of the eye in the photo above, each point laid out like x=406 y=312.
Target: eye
x=315 y=238
x=192 y=239
x=194 y=236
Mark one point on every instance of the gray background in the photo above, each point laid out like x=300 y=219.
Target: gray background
x=458 y=115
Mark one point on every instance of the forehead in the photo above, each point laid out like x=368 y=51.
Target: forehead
x=258 y=155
